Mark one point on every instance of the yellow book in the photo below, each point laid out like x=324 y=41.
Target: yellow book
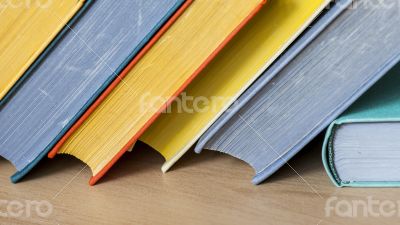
x=230 y=74
x=26 y=29
x=183 y=51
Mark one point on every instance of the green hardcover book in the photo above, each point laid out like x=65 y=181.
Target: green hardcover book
x=362 y=147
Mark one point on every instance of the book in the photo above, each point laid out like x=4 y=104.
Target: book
x=91 y=55
x=113 y=125
x=26 y=29
x=229 y=75
x=361 y=147
x=296 y=99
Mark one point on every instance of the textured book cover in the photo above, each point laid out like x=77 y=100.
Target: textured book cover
x=121 y=115
x=26 y=29
x=229 y=75
x=361 y=147
x=89 y=56
x=291 y=104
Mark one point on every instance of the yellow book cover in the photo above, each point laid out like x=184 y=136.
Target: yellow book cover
x=167 y=68
x=26 y=29
x=231 y=73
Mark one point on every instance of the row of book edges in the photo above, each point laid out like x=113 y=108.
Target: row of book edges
x=254 y=79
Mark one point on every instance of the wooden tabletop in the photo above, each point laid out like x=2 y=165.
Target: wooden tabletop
x=210 y=188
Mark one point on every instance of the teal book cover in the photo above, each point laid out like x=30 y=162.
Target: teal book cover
x=361 y=147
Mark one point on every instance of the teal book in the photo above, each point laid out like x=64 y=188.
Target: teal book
x=362 y=147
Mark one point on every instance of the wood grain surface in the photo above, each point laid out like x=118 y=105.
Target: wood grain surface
x=210 y=188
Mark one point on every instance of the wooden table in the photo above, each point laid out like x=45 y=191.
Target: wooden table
x=210 y=188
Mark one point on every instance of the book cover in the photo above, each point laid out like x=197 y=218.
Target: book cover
x=86 y=60
x=295 y=100
x=122 y=114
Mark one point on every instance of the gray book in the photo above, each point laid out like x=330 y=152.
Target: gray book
x=95 y=48
x=297 y=99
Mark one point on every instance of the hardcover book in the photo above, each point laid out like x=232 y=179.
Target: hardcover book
x=296 y=99
x=126 y=110
x=26 y=29
x=81 y=65
x=229 y=75
x=362 y=146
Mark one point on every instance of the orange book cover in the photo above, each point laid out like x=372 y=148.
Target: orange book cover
x=107 y=92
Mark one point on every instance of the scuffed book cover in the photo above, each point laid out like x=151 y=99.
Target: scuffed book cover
x=225 y=133
x=85 y=62
x=43 y=44
x=286 y=58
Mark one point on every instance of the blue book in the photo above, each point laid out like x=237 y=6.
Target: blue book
x=362 y=146
x=305 y=90
x=58 y=88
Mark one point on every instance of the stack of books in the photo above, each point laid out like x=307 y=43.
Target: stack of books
x=255 y=79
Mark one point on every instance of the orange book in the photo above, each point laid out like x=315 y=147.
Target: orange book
x=117 y=119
